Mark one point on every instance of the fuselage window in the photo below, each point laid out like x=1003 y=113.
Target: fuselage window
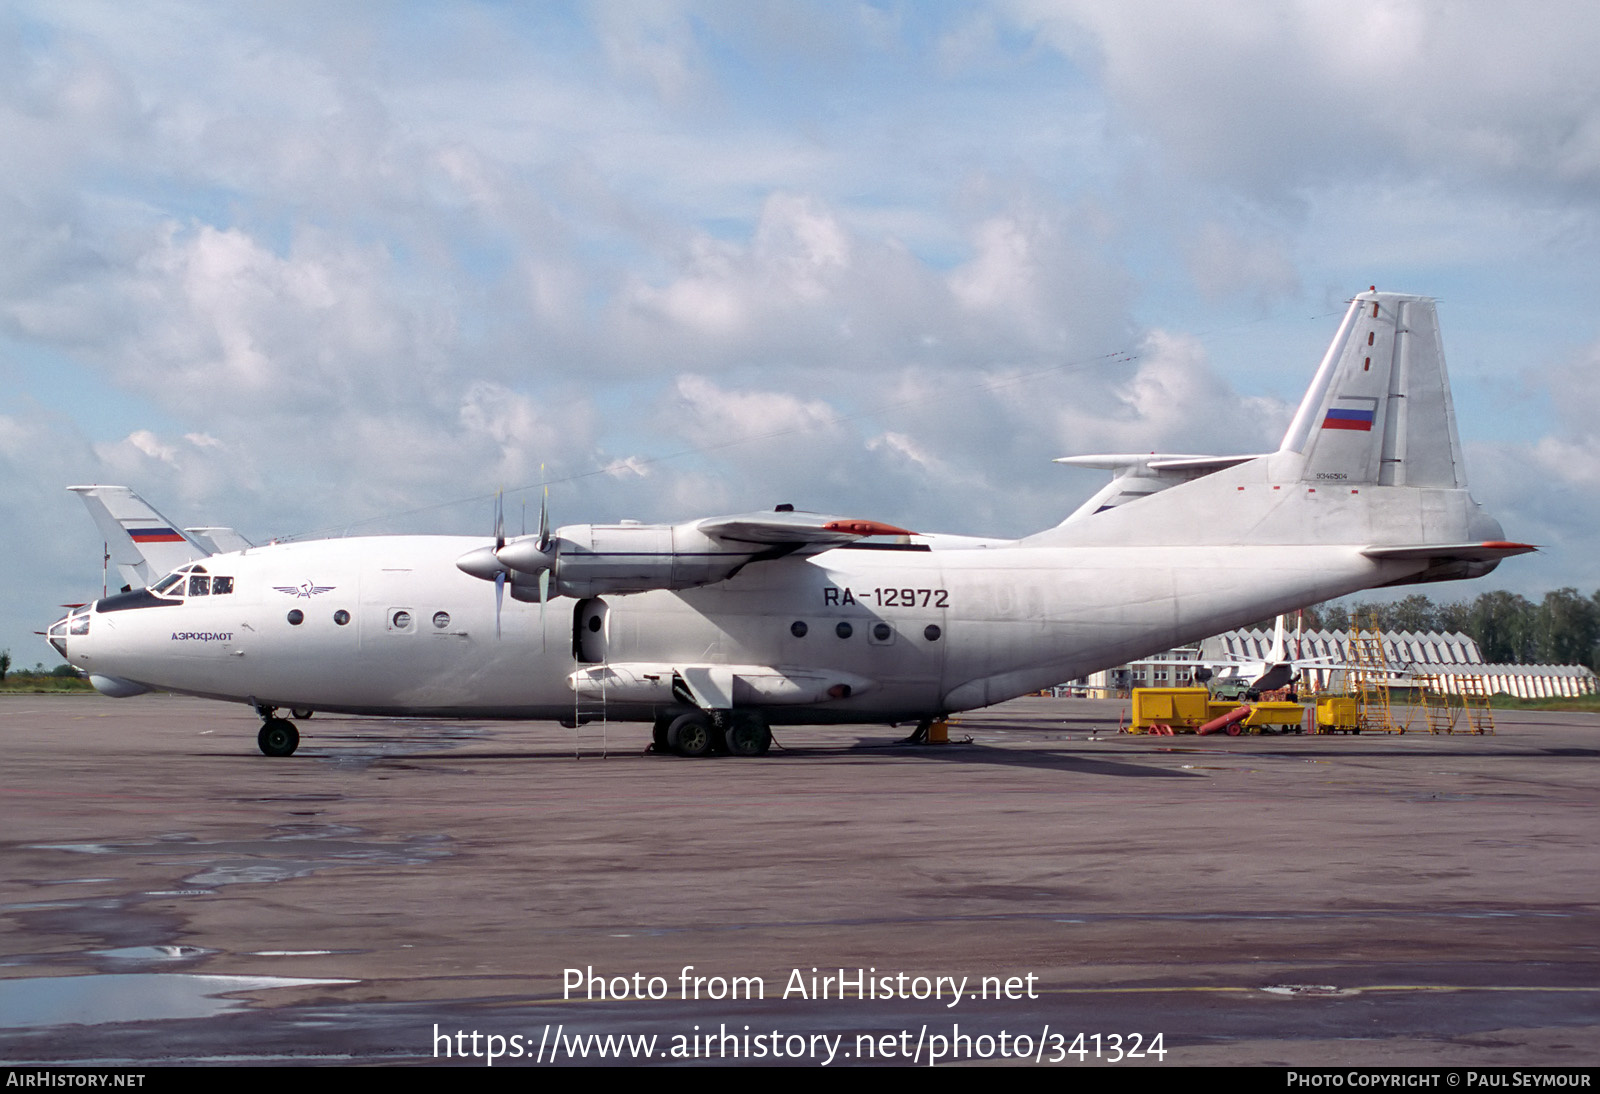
x=341 y=617
x=296 y=617
x=400 y=620
x=882 y=631
x=441 y=620
x=931 y=632
x=844 y=630
x=798 y=628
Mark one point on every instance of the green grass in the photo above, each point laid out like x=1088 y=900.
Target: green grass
x=1590 y=703
x=27 y=683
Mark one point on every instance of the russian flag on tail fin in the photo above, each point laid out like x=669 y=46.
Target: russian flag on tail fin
x=1350 y=417
x=155 y=535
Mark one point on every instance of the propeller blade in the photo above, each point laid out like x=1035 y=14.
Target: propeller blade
x=544 y=596
x=499 y=520
x=544 y=514
x=499 y=598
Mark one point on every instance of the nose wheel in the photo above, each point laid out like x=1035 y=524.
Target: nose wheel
x=278 y=737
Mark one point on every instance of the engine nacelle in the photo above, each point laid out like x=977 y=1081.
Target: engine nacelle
x=595 y=559
x=584 y=560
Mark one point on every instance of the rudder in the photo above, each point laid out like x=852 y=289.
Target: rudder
x=1379 y=410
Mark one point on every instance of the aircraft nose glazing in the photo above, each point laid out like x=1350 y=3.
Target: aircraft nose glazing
x=75 y=622
x=56 y=635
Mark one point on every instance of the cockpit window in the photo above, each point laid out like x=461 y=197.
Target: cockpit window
x=191 y=581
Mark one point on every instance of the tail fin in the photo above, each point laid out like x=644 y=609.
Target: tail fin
x=1379 y=410
x=1280 y=648
x=143 y=543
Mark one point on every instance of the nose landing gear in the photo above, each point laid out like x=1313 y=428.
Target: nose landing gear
x=278 y=736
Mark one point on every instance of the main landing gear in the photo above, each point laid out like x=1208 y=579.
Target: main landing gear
x=698 y=733
x=278 y=736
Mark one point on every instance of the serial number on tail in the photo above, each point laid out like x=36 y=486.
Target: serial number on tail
x=837 y=596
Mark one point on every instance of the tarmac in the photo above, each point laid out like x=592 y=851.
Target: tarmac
x=1043 y=889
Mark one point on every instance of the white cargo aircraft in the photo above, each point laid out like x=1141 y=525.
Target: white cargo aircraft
x=716 y=629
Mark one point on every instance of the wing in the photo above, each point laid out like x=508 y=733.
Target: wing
x=595 y=559
x=797 y=529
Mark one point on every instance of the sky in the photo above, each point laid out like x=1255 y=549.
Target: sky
x=328 y=269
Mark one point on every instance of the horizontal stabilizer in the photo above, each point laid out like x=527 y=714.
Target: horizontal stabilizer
x=221 y=541
x=1156 y=462
x=1490 y=551
x=1138 y=475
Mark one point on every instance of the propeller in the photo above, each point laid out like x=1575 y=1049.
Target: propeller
x=531 y=555
x=484 y=562
x=534 y=555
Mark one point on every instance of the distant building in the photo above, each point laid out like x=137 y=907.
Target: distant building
x=1404 y=651
x=1454 y=658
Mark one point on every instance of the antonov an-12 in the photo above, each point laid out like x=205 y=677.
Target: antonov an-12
x=717 y=629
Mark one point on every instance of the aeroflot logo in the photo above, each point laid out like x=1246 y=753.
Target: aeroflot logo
x=305 y=589
x=202 y=636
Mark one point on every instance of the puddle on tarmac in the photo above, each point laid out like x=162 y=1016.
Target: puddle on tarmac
x=153 y=954
x=363 y=749
x=129 y=997
x=132 y=932
x=294 y=850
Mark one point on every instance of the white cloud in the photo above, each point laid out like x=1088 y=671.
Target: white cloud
x=652 y=43
x=1275 y=96
x=1224 y=261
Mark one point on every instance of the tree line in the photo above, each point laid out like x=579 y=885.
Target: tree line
x=1561 y=629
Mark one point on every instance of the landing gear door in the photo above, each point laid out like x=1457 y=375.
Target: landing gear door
x=590 y=623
